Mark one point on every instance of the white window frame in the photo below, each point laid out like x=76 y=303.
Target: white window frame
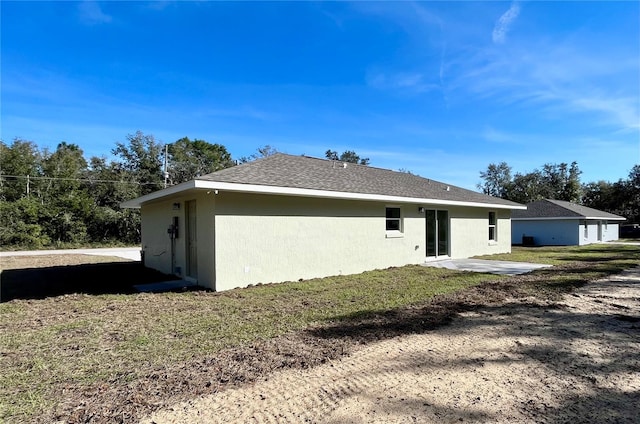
x=494 y=227
x=393 y=233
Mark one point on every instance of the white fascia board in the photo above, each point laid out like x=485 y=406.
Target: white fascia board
x=568 y=218
x=557 y=218
x=137 y=202
x=304 y=192
x=301 y=192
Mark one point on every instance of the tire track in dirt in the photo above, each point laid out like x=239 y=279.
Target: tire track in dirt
x=523 y=361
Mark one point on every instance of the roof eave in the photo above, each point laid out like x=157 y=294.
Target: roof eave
x=303 y=192
x=557 y=218
x=139 y=201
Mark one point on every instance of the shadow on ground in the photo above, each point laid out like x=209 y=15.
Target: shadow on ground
x=103 y=278
x=560 y=333
x=497 y=309
x=167 y=384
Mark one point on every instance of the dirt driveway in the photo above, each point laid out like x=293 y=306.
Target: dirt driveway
x=576 y=360
x=131 y=253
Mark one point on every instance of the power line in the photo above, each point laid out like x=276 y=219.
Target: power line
x=89 y=180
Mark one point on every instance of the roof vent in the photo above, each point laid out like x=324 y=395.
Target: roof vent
x=448 y=188
x=344 y=165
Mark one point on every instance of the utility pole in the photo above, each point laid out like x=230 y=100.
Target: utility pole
x=166 y=173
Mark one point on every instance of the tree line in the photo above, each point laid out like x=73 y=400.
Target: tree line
x=562 y=182
x=60 y=199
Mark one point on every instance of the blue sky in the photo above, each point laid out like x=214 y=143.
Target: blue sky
x=442 y=89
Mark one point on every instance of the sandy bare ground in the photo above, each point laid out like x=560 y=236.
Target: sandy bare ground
x=576 y=360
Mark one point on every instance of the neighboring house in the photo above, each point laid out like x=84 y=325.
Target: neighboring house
x=559 y=223
x=284 y=218
x=630 y=231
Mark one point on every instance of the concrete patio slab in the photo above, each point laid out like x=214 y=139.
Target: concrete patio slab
x=487 y=266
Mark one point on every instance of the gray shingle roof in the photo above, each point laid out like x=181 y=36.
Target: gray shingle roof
x=304 y=172
x=548 y=208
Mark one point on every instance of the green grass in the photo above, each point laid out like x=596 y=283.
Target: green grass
x=559 y=255
x=79 y=340
x=573 y=265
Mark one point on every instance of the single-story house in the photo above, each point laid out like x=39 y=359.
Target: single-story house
x=284 y=218
x=559 y=223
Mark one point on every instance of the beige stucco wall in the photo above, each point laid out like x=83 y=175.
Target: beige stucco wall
x=470 y=232
x=156 y=243
x=247 y=239
x=278 y=238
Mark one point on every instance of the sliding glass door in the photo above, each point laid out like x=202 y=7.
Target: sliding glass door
x=437 y=233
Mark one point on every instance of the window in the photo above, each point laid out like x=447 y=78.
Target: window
x=394 y=221
x=493 y=236
x=586 y=230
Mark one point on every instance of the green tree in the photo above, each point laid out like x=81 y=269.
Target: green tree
x=20 y=224
x=65 y=166
x=17 y=162
x=525 y=188
x=634 y=194
x=347 y=156
x=189 y=159
x=497 y=180
x=572 y=190
x=141 y=158
x=110 y=185
x=407 y=171
x=560 y=182
x=66 y=201
x=599 y=195
x=629 y=189
x=554 y=181
x=261 y=152
x=621 y=198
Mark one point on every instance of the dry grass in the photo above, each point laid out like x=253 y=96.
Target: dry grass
x=46 y=261
x=73 y=341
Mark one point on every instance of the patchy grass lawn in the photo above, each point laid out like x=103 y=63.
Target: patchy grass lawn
x=558 y=255
x=113 y=357
x=573 y=266
x=82 y=339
